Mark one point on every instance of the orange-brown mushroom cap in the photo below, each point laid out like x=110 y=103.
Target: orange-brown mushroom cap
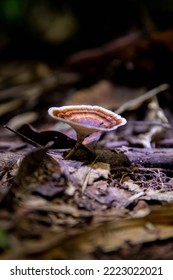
x=87 y=119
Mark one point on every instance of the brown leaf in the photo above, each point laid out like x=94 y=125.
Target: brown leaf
x=115 y=235
x=105 y=94
x=60 y=140
x=40 y=173
x=30 y=163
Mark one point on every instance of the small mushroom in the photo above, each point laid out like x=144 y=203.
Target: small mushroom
x=85 y=120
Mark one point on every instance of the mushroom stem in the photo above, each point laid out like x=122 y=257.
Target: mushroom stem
x=76 y=147
x=73 y=150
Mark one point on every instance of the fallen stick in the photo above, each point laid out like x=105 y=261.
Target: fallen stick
x=126 y=156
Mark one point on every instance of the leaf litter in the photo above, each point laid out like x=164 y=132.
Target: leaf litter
x=112 y=196
x=47 y=190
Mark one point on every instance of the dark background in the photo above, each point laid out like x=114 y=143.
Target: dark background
x=51 y=30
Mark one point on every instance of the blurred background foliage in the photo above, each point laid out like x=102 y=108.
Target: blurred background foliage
x=52 y=29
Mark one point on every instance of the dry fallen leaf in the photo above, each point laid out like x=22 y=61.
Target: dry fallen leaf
x=116 y=235
x=105 y=94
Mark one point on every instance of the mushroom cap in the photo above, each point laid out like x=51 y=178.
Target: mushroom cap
x=87 y=119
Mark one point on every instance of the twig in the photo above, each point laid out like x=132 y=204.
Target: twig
x=130 y=104
x=87 y=176
x=133 y=198
x=23 y=136
x=151 y=123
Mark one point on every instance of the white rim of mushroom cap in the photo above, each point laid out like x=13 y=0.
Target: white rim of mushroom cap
x=81 y=114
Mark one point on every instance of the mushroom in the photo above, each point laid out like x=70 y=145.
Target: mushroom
x=85 y=120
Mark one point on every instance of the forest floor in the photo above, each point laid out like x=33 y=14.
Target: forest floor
x=113 y=198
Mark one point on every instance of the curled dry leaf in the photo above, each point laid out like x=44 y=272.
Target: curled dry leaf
x=40 y=173
x=60 y=140
x=92 y=173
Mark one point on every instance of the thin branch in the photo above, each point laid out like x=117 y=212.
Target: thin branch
x=23 y=136
x=132 y=103
x=151 y=123
x=88 y=175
